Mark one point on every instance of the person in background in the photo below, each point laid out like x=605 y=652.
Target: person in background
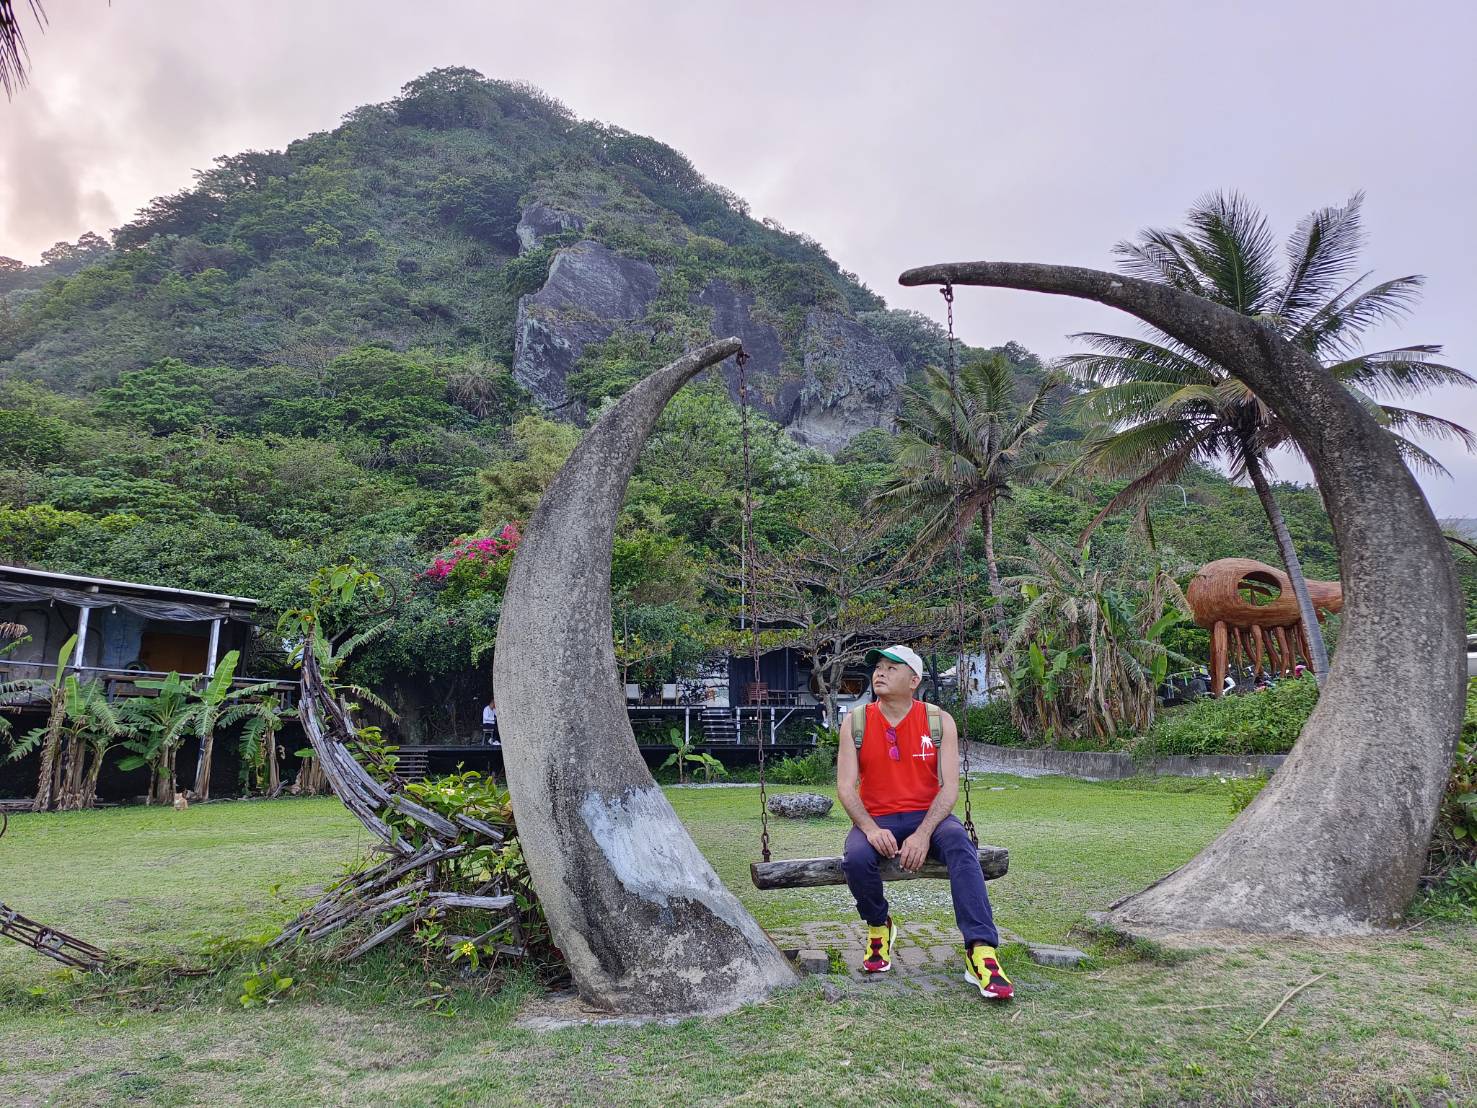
x=489 y=723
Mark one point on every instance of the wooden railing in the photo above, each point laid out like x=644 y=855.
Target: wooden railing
x=122 y=682
x=748 y=724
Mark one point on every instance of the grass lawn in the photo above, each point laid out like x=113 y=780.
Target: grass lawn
x=1395 y=1020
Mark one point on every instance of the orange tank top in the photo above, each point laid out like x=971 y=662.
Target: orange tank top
x=908 y=784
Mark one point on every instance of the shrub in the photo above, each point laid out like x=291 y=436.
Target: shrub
x=468 y=793
x=1453 y=899
x=1265 y=722
x=992 y=724
x=1454 y=842
x=816 y=768
x=1243 y=790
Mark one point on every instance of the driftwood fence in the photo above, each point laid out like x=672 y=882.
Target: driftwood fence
x=412 y=876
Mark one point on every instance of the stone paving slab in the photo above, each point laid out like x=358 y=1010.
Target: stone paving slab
x=926 y=956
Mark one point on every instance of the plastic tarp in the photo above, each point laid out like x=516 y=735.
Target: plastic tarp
x=15 y=592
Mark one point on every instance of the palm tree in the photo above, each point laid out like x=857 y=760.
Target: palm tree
x=1162 y=406
x=13 y=58
x=1090 y=640
x=961 y=447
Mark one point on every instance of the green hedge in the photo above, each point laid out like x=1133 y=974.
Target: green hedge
x=1265 y=722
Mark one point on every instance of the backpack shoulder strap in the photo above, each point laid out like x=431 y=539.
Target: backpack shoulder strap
x=858 y=730
x=936 y=729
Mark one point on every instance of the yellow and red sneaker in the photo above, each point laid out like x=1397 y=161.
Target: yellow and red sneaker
x=985 y=973
x=879 y=947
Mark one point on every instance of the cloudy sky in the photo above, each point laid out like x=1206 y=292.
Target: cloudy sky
x=896 y=134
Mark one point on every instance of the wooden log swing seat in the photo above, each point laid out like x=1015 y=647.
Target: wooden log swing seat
x=809 y=873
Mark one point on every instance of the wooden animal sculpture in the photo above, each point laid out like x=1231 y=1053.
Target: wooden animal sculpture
x=1251 y=613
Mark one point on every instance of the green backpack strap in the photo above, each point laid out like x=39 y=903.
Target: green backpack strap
x=936 y=732
x=858 y=733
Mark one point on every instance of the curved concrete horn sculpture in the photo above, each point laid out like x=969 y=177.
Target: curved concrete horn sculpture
x=640 y=916
x=1335 y=843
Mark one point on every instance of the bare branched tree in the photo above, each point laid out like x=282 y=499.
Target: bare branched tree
x=843 y=590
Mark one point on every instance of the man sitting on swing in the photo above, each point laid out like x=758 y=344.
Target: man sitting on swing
x=898 y=782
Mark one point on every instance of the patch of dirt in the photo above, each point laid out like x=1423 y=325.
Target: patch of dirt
x=45 y=1051
x=556 y=1011
x=1242 y=940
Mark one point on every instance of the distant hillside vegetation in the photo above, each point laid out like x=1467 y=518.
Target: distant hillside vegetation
x=477 y=218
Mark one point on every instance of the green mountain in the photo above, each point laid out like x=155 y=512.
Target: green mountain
x=470 y=217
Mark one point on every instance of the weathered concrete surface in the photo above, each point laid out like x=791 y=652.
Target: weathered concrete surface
x=640 y=916
x=812 y=961
x=1095 y=765
x=1334 y=845
x=1062 y=956
x=591 y=290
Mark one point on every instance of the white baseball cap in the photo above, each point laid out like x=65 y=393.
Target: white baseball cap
x=897 y=653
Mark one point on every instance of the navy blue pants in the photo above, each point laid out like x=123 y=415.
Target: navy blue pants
x=950 y=844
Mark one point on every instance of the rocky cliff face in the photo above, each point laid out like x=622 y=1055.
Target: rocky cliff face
x=841 y=381
x=835 y=380
x=732 y=312
x=541 y=220
x=590 y=292
x=851 y=382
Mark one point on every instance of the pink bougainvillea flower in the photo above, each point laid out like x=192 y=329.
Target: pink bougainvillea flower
x=486 y=549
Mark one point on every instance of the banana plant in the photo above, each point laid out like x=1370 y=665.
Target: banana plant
x=159 y=724
x=48 y=737
x=1090 y=640
x=80 y=730
x=211 y=702
x=1046 y=679
x=684 y=755
x=11 y=691
x=264 y=716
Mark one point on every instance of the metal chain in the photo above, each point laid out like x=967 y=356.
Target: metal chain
x=751 y=599
x=960 y=680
